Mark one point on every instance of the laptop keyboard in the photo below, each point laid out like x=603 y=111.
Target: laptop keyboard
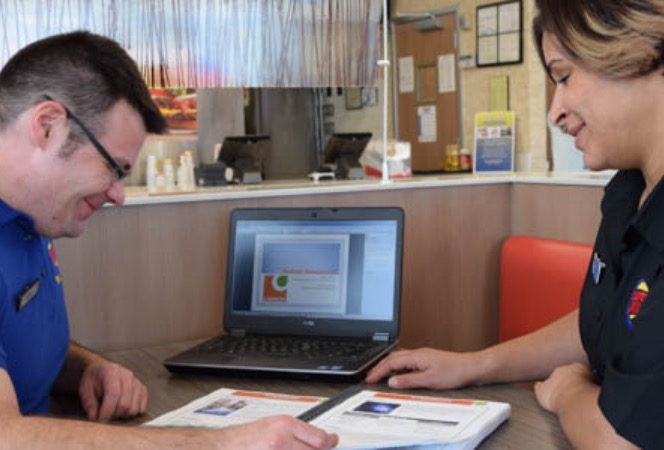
x=276 y=346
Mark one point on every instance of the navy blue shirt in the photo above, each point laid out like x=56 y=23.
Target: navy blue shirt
x=34 y=336
x=621 y=316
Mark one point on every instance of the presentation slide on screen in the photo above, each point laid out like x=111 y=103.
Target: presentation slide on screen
x=296 y=273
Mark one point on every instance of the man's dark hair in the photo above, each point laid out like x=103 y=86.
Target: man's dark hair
x=88 y=73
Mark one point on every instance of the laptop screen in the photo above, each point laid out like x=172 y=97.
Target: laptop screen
x=313 y=268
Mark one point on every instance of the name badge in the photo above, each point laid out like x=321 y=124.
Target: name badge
x=598 y=268
x=27 y=294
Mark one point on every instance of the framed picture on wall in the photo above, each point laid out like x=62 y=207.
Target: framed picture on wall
x=499 y=33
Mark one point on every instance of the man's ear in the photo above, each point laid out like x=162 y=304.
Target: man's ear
x=48 y=125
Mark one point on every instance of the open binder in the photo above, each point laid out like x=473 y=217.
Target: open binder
x=363 y=418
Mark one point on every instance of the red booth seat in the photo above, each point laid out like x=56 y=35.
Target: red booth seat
x=540 y=281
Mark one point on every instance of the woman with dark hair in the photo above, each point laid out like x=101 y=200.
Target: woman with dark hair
x=602 y=365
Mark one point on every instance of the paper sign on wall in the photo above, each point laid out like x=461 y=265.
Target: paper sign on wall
x=499 y=93
x=426 y=124
x=406 y=74
x=446 y=74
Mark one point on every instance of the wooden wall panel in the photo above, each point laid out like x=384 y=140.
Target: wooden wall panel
x=154 y=274
x=556 y=211
x=425 y=46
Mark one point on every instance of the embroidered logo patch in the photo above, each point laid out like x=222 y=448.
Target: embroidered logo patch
x=636 y=300
x=54 y=260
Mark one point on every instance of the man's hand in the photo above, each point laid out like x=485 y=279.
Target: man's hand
x=108 y=391
x=277 y=432
x=423 y=368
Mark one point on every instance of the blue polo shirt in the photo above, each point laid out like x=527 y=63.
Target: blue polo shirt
x=35 y=338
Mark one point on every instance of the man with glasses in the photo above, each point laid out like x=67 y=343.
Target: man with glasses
x=120 y=172
x=74 y=112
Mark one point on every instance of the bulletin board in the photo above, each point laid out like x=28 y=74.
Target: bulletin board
x=499 y=33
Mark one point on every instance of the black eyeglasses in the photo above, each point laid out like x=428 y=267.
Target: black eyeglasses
x=120 y=173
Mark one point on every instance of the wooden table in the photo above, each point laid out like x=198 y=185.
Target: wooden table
x=529 y=426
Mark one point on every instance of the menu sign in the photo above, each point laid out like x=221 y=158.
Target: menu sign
x=178 y=106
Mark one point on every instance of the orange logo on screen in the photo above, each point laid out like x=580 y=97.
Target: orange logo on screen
x=275 y=288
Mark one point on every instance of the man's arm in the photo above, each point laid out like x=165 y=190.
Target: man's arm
x=107 y=390
x=78 y=358
x=571 y=393
x=277 y=432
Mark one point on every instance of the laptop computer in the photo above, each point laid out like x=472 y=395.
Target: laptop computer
x=309 y=291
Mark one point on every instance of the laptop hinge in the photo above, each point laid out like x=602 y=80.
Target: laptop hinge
x=381 y=337
x=238 y=333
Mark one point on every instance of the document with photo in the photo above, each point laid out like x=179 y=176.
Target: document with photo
x=226 y=407
x=381 y=420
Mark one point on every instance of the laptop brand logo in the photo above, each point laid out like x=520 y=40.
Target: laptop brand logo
x=309 y=323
